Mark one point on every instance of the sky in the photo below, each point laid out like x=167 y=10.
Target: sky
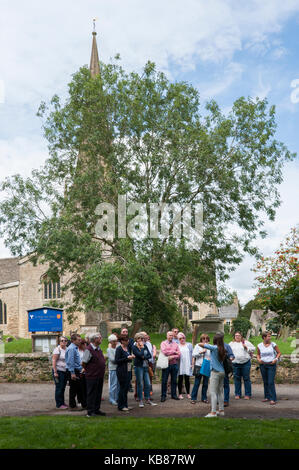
x=225 y=48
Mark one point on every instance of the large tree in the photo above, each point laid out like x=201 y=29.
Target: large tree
x=278 y=280
x=146 y=137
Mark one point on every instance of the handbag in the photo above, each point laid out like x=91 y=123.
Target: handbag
x=227 y=365
x=162 y=362
x=150 y=370
x=205 y=368
x=196 y=371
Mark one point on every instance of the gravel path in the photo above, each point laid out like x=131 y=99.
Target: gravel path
x=38 y=399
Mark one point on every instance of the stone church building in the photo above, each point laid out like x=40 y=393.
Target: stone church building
x=24 y=287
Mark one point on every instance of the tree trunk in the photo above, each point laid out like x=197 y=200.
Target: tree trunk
x=195 y=334
x=285 y=333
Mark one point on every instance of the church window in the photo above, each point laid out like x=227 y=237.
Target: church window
x=51 y=289
x=190 y=313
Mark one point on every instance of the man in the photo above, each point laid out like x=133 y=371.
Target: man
x=175 y=335
x=74 y=367
x=226 y=387
x=125 y=332
x=170 y=349
x=94 y=364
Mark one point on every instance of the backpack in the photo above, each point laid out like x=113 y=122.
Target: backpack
x=227 y=365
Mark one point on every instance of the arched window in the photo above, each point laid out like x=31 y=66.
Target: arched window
x=190 y=313
x=3 y=313
x=185 y=310
x=51 y=290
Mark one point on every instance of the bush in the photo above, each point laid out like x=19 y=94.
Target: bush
x=241 y=324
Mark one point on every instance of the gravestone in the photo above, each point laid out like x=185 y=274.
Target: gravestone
x=103 y=329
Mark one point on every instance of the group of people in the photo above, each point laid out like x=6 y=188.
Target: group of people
x=82 y=363
x=220 y=358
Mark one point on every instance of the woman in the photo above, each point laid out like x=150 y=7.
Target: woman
x=59 y=372
x=112 y=381
x=185 y=365
x=199 y=354
x=123 y=360
x=217 y=374
x=152 y=362
x=267 y=356
x=141 y=368
x=82 y=396
x=243 y=351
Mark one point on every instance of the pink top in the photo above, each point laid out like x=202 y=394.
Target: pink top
x=171 y=349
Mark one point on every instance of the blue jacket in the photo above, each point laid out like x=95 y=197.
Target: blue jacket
x=72 y=358
x=140 y=355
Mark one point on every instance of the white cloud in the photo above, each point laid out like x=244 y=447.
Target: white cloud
x=287 y=217
x=44 y=42
x=21 y=155
x=229 y=76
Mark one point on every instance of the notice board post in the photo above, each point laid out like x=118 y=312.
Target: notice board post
x=46 y=325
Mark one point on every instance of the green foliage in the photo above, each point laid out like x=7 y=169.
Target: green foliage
x=148 y=138
x=245 y=311
x=278 y=280
x=274 y=325
x=241 y=324
x=227 y=329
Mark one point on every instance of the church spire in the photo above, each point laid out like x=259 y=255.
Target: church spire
x=94 y=60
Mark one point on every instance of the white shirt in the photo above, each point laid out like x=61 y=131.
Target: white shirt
x=200 y=354
x=268 y=353
x=241 y=354
x=185 y=364
x=60 y=364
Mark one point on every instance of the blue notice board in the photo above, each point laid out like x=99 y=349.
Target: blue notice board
x=45 y=319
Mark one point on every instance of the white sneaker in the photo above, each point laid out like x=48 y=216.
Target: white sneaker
x=149 y=402
x=211 y=416
x=124 y=409
x=141 y=405
x=130 y=408
x=220 y=413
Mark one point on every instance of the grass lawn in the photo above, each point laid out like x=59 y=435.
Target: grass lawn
x=63 y=432
x=25 y=345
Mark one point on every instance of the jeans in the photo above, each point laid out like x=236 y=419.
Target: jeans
x=124 y=385
x=242 y=370
x=217 y=390
x=142 y=376
x=268 y=372
x=113 y=386
x=204 y=388
x=60 y=384
x=173 y=371
x=226 y=388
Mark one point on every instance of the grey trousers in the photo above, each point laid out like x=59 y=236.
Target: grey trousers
x=216 y=390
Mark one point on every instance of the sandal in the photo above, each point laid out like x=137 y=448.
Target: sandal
x=193 y=402
x=204 y=401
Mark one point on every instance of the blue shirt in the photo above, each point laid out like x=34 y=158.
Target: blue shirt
x=215 y=363
x=72 y=358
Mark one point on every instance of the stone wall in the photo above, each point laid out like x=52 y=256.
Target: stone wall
x=36 y=367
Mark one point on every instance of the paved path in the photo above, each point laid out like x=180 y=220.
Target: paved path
x=38 y=399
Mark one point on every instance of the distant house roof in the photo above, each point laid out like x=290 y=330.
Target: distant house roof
x=229 y=311
x=9 y=270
